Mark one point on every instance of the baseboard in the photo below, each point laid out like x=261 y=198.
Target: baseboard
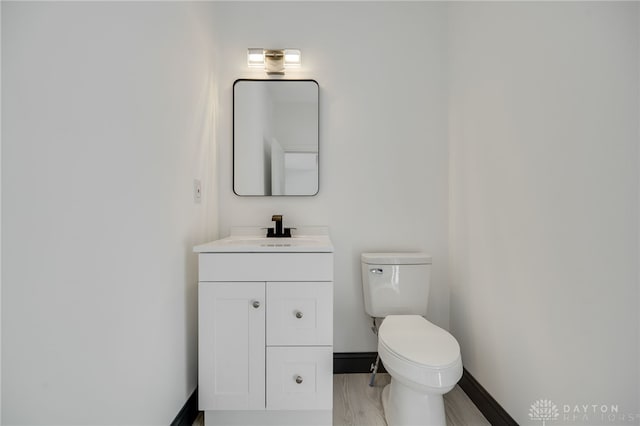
x=189 y=411
x=488 y=406
x=355 y=362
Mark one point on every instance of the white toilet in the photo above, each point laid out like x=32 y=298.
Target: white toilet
x=423 y=360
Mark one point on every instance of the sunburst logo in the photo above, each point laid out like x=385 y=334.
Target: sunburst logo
x=543 y=410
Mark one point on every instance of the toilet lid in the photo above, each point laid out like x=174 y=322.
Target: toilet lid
x=395 y=258
x=414 y=338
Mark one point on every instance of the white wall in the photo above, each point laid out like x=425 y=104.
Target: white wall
x=544 y=201
x=108 y=110
x=109 y=113
x=383 y=147
x=0 y=217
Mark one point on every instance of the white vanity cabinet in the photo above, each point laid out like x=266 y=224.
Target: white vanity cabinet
x=265 y=331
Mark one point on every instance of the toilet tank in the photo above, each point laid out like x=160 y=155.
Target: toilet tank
x=395 y=283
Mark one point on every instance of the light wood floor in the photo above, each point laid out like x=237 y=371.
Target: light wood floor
x=355 y=403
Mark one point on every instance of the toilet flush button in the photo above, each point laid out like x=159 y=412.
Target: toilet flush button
x=377 y=271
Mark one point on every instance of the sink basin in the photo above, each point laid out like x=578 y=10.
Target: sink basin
x=271 y=242
x=257 y=244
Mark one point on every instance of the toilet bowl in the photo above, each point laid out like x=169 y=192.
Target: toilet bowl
x=424 y=363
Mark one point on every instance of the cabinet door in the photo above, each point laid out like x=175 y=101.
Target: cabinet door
x=231 y=373
x=299 y=313
x=300 y=378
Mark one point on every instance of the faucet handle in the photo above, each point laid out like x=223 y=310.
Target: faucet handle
x=276 y=217
x=286 y=232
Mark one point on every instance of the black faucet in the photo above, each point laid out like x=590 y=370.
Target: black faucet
x=277 y=231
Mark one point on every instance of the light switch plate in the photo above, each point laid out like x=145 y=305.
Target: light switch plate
x=197 y=191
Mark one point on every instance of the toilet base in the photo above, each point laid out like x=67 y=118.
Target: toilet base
x=404 y=406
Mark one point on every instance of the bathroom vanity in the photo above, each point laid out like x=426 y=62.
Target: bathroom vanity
x=265 y=319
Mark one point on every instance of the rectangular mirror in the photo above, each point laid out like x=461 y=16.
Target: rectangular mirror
x=275 y=137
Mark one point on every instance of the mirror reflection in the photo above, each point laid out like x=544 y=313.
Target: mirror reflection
x=275 y=137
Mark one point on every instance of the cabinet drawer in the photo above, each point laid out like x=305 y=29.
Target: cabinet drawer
x=265 y=267
x=299 y=313
x=299 y=378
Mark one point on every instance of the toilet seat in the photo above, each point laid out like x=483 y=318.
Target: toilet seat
x=421 y=352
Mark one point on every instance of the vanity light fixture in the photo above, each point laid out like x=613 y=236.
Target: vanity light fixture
x=274 y=61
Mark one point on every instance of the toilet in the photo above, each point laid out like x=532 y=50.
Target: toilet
x=423 y=359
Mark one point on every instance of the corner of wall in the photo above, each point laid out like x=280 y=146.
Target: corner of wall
x=0 y=213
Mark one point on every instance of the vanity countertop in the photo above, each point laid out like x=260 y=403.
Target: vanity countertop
x=250 y=240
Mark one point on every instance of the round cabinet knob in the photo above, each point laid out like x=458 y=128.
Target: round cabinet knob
x=298 y=314
x=256 y=304
x=298 y=379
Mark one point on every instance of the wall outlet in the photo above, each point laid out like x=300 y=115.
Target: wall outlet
x=197 y=191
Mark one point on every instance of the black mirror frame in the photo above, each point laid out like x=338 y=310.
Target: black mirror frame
x=233 y=136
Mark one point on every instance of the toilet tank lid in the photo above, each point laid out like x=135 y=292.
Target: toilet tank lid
x=396 y=258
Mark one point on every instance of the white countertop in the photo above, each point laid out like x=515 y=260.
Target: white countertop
x=253 y=240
